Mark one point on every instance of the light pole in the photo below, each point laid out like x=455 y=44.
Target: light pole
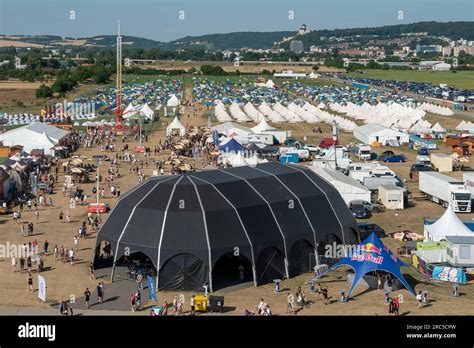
x=138 y=118
x=97 y=182
x=334 y=139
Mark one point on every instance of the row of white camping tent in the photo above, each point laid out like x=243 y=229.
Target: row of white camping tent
x=465 y=126
x=436 y=109
x=423 y=126
x=278 y=113
x=393 y=115
x=324 y=116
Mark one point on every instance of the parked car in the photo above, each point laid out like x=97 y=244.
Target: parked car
x=359 y=211
x=328 y=142
x=372 y=207
x=423 y=151
x=421 y=167
x=366 y=229
x=394 y=158
x=294 y=143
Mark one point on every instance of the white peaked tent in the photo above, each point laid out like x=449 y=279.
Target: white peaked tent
x=438 y=128
x=46 y=143
x=447 y=225
x=173 y=101
x=176 y=125
x=269 y=84
x=461 y=126
x=147 y=112
x=263 y=126
x=129 y=111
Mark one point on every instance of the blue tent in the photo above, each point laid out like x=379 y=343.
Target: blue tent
x=373 y=255
x=232 y=146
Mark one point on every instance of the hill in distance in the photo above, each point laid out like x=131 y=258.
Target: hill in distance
x=263 y=40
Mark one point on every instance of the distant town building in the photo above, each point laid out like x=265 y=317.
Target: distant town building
x=435 y=65
x=303 y=30
x=289 y=74
x=442 y=67
x=318 y=49
x=296 y=46
x=446 y=51
x=428 y=48
x=465 y=48
x=371 y=52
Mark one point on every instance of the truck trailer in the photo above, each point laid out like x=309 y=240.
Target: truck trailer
x=445 y=190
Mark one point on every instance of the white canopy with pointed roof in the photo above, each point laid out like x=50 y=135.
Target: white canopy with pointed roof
x=262 y=127
x=129 y=111
x=173 y=101
x=448 y=224
x=269 y=84
x=176 y=125
x=147 y=112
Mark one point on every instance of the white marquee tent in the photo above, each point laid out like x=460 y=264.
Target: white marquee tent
x=349 y=188
x=448 y=224
x=34 y=136
x=173 y=101
x=263 y=126
x=176 y=125
x=147 y=112
x=371 y=133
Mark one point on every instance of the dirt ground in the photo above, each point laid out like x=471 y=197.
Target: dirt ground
x=64 y=280
x=12 y=43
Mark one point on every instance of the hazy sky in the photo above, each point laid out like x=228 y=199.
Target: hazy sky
x=160 y=19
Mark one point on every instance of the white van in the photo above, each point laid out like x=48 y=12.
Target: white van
x=359 y=171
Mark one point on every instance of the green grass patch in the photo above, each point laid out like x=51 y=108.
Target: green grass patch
x=460 y=79
x=136 y=78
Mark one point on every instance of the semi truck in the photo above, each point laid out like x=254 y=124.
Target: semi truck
x=445 y=190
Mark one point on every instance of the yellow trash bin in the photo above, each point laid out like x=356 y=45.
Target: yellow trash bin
x=200 y=303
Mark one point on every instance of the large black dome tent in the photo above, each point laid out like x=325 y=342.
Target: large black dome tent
x=268 y=220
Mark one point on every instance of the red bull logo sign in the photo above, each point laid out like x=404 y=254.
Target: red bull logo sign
x=366 y=253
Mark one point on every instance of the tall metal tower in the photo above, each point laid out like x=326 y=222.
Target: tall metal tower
x=118 y=113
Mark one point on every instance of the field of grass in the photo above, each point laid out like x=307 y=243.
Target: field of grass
x=460 y=79
x=135 y=78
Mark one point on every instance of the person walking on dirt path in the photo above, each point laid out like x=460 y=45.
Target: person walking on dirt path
x=14 y=264
x=91 y=272
x=28 y=264
x=37 y=216
x=87 y=297
x=30 y=283
x=100 y=292
x=291 y=304
x=71 y=256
